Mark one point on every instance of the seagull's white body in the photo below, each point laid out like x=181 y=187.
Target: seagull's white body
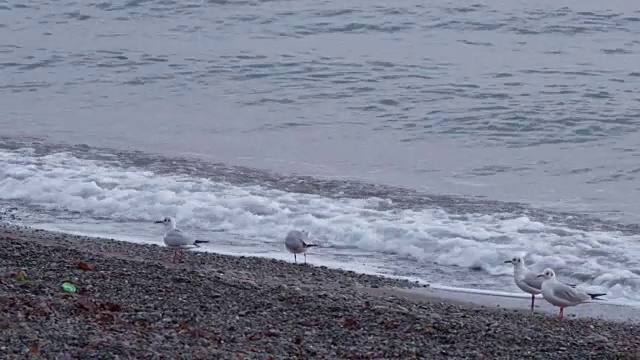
x=176 y=239
x=560 y=294
x=527 y=280
x=296 y=243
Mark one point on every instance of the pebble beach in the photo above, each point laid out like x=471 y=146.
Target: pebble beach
x=133 y=303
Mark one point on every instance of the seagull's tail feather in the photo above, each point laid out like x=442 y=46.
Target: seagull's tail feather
x=595 y=296
x=310 y=245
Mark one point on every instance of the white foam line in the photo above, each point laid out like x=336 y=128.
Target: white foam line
x=523 y=295
x=482 y=292
x=129 y=239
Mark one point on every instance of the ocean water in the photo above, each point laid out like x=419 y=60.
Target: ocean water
x=430 y=141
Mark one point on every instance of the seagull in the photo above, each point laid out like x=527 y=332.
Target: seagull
x=527 y=280
x=177 y=240
x=562 y=295
x=295 y=243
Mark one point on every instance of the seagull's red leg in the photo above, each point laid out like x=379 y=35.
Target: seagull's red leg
x=173 y=259
x=561 y=313
x=533 y=299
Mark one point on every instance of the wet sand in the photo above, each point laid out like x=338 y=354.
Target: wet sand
x=603 y=310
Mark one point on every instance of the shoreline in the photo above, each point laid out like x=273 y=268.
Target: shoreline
x=474 y=296
x=600 y=310
x=133 y=302
x=614 y=310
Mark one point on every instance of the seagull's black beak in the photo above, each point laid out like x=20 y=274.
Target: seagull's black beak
x=541 y=275
x=159 y=222
x=508 y=262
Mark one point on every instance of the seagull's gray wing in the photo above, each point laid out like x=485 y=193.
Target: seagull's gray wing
x=531 y=279
x=568 y=294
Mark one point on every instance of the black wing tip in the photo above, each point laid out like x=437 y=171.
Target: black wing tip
x=595 y=296
x=202 y=241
